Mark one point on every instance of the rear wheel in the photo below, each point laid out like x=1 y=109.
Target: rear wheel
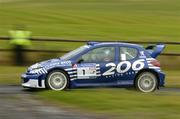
x=146 y=82
x=57 y=80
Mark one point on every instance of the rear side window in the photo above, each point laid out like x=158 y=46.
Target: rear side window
x=128 y=53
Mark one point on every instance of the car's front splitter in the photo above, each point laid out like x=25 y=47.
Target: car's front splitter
x=33 y=81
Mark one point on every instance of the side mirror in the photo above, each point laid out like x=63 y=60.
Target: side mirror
x=80 y=61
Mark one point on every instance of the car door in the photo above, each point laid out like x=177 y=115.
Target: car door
x=93 y=64
x=129 y=64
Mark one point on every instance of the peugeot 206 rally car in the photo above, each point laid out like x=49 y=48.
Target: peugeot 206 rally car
x=100 y=64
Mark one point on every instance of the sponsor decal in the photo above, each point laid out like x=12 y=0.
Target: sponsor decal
x=65 y=62
x=142 y=55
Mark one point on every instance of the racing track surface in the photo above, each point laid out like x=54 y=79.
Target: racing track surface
x=17 y=103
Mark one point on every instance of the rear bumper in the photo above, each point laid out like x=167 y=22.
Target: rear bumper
x=161 y=76
x=32 y=81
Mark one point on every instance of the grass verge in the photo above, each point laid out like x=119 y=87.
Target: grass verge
x=118 y=103
x=155 y=20
x=11 y=75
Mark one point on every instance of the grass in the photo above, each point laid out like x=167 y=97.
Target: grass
x=173 y=78
x=155 y=20
x=119 y=103
x=11 y=75
x=95 y=19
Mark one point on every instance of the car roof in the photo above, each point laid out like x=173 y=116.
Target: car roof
x=112 y=43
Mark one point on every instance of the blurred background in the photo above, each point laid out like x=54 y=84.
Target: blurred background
x=86 y=20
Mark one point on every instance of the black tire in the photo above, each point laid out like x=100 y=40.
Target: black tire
x=58 y=83
x=146 y=82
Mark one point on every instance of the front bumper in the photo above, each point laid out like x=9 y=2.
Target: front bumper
x=33 y=81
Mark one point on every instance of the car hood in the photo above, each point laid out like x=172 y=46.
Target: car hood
x=55 y=62
x=48 y=64
x=50 y=61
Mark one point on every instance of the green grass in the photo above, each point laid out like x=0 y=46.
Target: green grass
x=95 y=19
x=155 y=20
x=172 y=78
x=119 y=103
x=11 y=75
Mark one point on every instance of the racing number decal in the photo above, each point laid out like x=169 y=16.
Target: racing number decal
x=119 y=67
x=111 y=70
x=137 y=65
x=85 y=71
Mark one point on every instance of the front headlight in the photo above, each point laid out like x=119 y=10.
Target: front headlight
x=36 y=69
x=35 y=66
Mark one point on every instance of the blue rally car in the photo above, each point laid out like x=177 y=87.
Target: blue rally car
x=100 y=64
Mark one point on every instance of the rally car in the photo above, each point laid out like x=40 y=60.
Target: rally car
x=100 y=64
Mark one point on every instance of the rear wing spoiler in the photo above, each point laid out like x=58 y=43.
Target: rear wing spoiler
x=155 y=50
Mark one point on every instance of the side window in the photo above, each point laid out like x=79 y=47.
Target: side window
x=127 y=53
x=103 y=54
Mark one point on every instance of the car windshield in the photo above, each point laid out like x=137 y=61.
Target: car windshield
x=73 y=53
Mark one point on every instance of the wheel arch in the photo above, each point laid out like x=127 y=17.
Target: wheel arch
x=60 y=69
x=148 y=70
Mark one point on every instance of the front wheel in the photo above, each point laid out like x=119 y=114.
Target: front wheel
x=57 y=80
x=146 y=82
